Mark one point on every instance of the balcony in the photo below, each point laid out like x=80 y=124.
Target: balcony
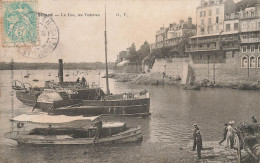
x=203 y=48
x=250 y=40
x=230 y=47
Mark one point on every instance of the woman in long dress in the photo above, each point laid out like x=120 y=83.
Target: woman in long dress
x=230 y=135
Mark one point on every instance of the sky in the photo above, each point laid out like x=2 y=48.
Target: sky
x=82 y=38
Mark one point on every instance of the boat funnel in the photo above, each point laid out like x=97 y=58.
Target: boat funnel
x=60 y=73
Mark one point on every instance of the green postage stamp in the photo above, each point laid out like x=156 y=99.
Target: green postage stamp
x=19 y=23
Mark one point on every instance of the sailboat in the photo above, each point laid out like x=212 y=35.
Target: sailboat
x=128 y=104
x=27 y=75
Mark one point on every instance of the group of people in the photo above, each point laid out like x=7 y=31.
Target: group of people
x=83 y=80
x=228 y=133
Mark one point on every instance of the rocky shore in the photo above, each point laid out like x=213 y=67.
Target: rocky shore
x=159 y=79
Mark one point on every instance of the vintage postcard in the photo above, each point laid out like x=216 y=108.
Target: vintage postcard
x=129 y=81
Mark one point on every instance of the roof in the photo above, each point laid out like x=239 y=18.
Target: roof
x=122 y=63
x=44 y=118
x=215 y=34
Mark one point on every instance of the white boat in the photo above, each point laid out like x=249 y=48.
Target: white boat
x=44 y=129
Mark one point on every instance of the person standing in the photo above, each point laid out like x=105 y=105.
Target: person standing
x=98 y=126
x=78 y=80
x=196 y=128
x=199 y=143
x=224 y=134
x=83 y=80
x=253 y=119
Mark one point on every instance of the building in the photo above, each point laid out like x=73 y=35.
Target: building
x=169 y=38
x=249 y=20
x=121 y=56
x=216 y=35
x=227 y=44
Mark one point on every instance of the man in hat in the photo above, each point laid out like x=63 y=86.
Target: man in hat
x=199 y=143
x=224 y=134
x=196 y=128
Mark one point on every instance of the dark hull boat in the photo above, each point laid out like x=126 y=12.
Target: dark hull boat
x=131 y=105
x=112 y=105
x=192 y=87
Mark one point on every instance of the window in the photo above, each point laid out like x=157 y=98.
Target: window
x=202 y=30
x=236 y=26
x=209 y=21
x=244 y=48
x=202 y=21
x=252 y=48
x=202 y=14
x=217 y=10
x=244 y=37
x=244 y=62
x=244 y=26
x=258 y=48
x=252 y=25
x=258 y=25
x=209 y=12
x=258 y=62
x=252 y=14
x=227 y=27
x=252 y=62
x=217 y=20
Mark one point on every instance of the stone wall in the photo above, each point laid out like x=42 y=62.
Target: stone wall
x=230 y=71
x=172 y=67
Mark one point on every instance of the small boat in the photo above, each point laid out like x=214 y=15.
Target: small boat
x=35 y=80
x=67 y=75
x=49 y=74
x=26 y=76
x=192 y=87
x=45 y=129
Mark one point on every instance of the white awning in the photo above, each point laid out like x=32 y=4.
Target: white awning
x=44 y=118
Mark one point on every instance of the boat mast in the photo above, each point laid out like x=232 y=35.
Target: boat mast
x=108 y=92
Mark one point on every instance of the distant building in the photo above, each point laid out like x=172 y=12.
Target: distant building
x=171 y=36
x=121 y=56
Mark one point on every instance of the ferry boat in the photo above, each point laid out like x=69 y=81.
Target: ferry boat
x=43 y=129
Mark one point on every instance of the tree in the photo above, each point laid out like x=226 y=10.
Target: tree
x=132 y=53
x=183 y=42
x=143 y=51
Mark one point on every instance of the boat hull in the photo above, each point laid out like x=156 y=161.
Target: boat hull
x=132 y=107
x=26 y=97
x=129 y=136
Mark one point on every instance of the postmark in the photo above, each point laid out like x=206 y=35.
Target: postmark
x=48 y=34
x=19 y=23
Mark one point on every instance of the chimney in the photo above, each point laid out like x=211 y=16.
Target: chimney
x=189 y=21
x=60 y=73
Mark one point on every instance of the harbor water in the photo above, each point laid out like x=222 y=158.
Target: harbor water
x=167 y=132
